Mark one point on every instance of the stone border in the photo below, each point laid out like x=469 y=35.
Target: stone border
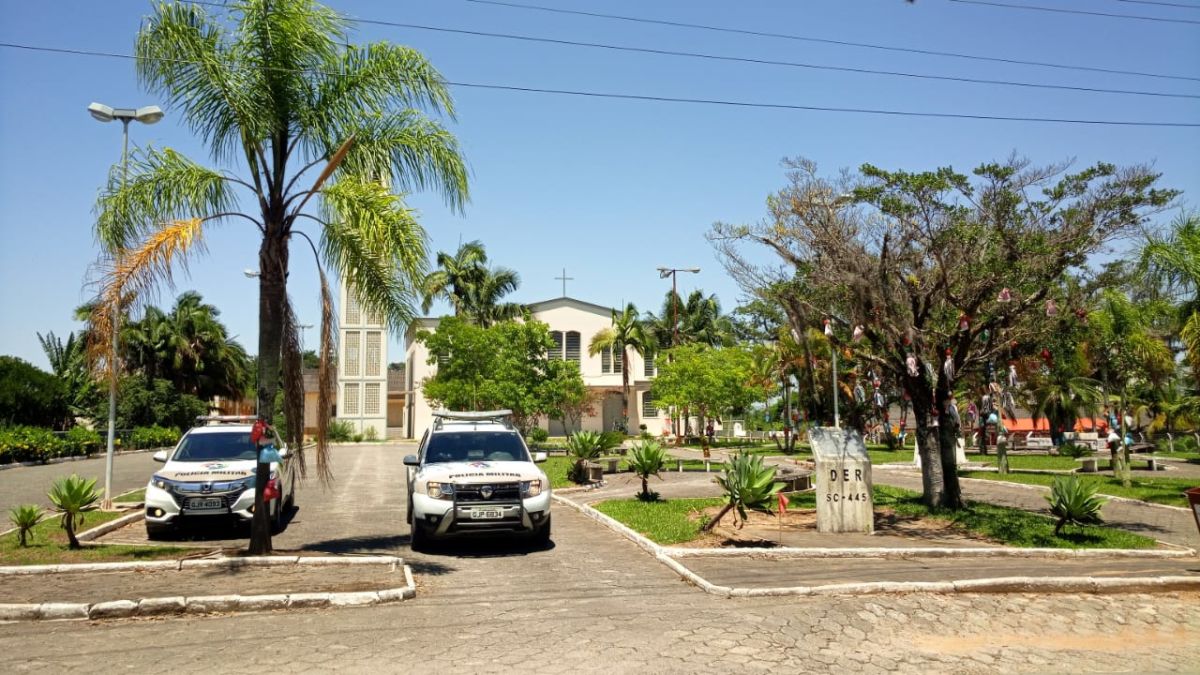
x=925 y=552
x=204 y=604
x=665 y=555
x=80 y=458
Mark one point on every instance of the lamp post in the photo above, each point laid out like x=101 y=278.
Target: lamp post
x=663 y=273
x=146 y=115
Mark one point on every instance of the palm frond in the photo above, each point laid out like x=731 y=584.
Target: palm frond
x=326 y=381
x=292 y=365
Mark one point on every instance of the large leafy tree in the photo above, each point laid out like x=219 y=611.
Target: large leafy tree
x=709 y=380
x=30 y=395
x=277 y=90
x=473 y=289
x=935 y=273
x=68 y=362
x=628 y=331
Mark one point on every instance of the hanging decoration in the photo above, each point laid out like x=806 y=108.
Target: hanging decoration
x=1012 y=375
x=1005 y=295
x=964 y=322
x=948 y=367
x=857 y=334
x=1051 y=307
x=911 y=362
x=1081 y=314
x=828 y=329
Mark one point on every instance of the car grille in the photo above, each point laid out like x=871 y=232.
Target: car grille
x=501 y=492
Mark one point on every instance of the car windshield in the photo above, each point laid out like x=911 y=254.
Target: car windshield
x=475 y=446
x=207 y=447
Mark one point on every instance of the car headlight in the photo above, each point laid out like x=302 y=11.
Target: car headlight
x=160 y=482
x=439 y=490
x=531 y=488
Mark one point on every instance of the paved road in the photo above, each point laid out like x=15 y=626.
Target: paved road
x=29 y=484
x=593 y=602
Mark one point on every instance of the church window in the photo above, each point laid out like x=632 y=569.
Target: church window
x=573 y=346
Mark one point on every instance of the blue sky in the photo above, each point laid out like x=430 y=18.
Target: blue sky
x=608 y=189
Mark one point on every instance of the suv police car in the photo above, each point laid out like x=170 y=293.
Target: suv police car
x=473 y=474
x=210 y=473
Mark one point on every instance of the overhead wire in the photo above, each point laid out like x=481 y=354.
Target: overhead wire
x=818 y=40
x=1162 y=4
x=1063 y=10
x=672 y=99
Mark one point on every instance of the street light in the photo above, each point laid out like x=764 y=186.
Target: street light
x=146 y=115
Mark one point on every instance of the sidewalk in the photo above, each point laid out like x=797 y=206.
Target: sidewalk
x=1173 y=526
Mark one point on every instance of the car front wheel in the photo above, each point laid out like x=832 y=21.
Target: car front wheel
x=542 y=536
x=420 y=540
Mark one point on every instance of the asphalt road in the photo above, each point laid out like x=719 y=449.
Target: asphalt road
x=594 y=602
x=29 y=484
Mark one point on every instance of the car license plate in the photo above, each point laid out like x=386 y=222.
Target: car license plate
x=205 y=504
x=486 y=514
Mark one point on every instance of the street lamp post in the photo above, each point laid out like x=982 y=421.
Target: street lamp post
x=663 y=273
x=146 y=115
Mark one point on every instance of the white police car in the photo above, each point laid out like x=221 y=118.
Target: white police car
x=473 y=474
x=210 y=474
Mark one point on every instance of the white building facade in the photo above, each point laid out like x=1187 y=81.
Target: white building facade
x=361 y=366
x=572 y=324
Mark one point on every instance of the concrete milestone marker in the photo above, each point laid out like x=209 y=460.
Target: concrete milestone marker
x=844 y=501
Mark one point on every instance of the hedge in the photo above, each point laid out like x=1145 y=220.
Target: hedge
x=36 y=444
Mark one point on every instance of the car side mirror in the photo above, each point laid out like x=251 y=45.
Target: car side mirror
x=411 y=460
x=160 y=456
x=539 y=457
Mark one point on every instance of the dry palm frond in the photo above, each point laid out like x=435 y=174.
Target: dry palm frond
x=325 y=381
x=293 y=385
x=134 y=277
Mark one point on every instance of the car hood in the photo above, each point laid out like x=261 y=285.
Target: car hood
x=208 y=471
x=480 y=472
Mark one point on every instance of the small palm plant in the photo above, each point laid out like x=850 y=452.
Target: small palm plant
x=748 y=485
x=648 y=459
x=582 y=447
x=24 y=518
x=1074 y=502
x=73 y=495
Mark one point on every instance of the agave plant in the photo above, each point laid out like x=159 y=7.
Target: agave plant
x=648 y=460
x=73 y=495
x=24 y=518
x=1074 y=502
x=748 y=485
x=582 y=446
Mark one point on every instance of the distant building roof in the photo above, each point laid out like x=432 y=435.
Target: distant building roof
x=396 y=380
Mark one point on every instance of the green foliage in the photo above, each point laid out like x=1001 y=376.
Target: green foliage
x=370 y=434
x=153 y=436
x=503 y=366
x=29 y=444
x=582 y=447
x=1074 y=450
x=648 y=459
x=24 y=518
x=748 y=484
x=473 y=289
x=537 y=436
x=83 y=441
x=664 y=522
x=705 y=379
x=610 y=440
x=340 y=431
x=1074 y=502
x=143 y=402
x=72 y=495
x=68 y=362
x=29 y=395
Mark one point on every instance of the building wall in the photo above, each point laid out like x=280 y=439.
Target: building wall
x=362 y=366
x=419 y=414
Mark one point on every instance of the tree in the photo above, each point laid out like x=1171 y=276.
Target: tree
x=935 y=273
x=29 y=395
x=472 y=289
x=1175 y=260
x=628 y=331
x=707 y=379
x=274 y=84
x=68 y=362
x=505 y=366
x=143 y=402
x=71 y=496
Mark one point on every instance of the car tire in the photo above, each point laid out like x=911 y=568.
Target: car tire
x=408 y=513
x=420 y=540
x=542 y=536
x=157 y=532
x=277 y=517
x=291 y=500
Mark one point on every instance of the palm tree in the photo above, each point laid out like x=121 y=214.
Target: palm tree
x=454 y=277
x=68 y=362
x=73 y=495
x=1175 y=259
x=484 y=305
x=274 y=86
x=1060 y=398
x=628 y=331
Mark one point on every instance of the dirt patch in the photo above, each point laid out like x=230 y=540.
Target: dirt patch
x=797 y=527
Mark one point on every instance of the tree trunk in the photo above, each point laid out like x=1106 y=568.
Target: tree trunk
x=68 y=520
x=932 y=482
x=272 y=294
x=720 y=514
x=948 y=446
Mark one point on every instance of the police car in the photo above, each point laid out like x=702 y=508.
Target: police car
x=473 y=474
x=210 y=474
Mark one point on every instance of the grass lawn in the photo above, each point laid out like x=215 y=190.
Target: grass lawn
x=135 y=496
x=556 y=469
x=672 y=521
x=1155 y=490
x=1027 y=461
x=1190 y=457
x=48 y=545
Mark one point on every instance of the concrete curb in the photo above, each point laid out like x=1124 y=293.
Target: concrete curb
x=667 y=556
x=205 y=604
x=193 y=563
x=80 y=458
x=104 y=528
x=924 y=552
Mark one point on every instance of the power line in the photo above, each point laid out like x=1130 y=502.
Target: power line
x=843 y=43
x=1060 y=10
x=672 y=99
x=1163 y=4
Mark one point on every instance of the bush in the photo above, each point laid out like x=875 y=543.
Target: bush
x=24 y=518
x=1074 y=502
x=29 y=444
x=29 y=395
x=1073 y=450
x=582 y=446
x=82 y=441
x=610 y=440
x=371 y=434
x=648 y=460
x=153 y=437
x=143 y=402
x=340 y=431
x=358 y=438
x=537 y=436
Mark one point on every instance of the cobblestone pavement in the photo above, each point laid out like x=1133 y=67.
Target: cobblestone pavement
x=594 y=602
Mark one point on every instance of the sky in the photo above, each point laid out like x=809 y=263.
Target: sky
x=608 y=189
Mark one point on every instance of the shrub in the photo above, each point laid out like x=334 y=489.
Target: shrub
x=371 y=434
x=340 y=431
x=1074 y=502
x=153 y=437
x=748 y=484
x=537 y=436
x=357 y=438
x=29 y=395
x=24 y=518
x=610 y=440
x=29 y=444
x=648 y=460
x=73 y=495
x=582 y=446
x=83 y=441
x=1073 y=450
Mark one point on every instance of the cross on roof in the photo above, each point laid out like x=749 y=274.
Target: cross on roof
x=564 y=278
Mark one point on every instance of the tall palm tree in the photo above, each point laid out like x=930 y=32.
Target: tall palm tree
x=628 y=331
x=454 y=276
x=484 y=305
x=68 y=362
x=1060 y=398
x=274 y=86
x=1175 y=259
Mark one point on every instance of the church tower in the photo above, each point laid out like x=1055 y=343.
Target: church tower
x=361 y=366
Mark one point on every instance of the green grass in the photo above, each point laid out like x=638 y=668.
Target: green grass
x=1027 y=461
x=1189 y=457
x=673 y=521
x=556 y=469
x=48 y=545
x=1154 y=490
x=135 y=496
